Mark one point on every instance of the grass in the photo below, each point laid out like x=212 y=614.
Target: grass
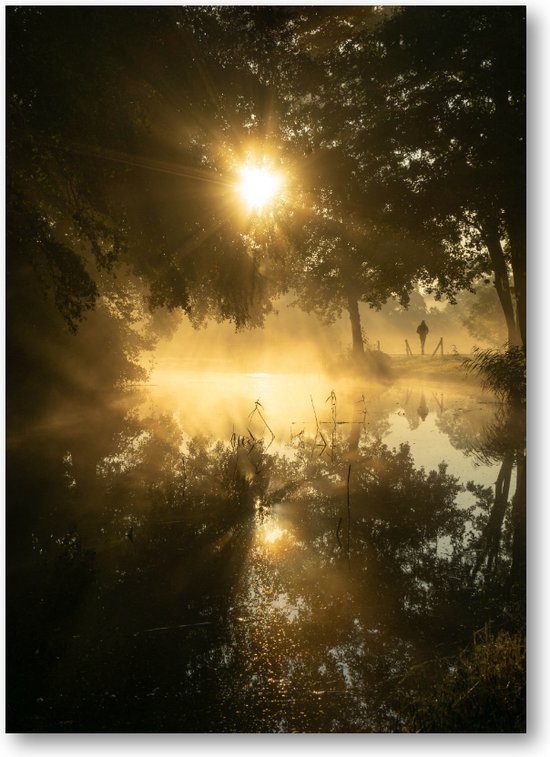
x=448 y=367
x=384 y=367
x=484 y=692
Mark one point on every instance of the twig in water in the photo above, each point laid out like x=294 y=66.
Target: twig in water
x=251 y=447
x=170 y=628
x=257 y=405
x=318 y=432
x=324 y=445
x=332 y=398
x=314 y=412
x=364 y=411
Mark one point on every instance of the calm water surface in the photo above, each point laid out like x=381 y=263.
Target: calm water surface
x=439 y=422
x=255 y=552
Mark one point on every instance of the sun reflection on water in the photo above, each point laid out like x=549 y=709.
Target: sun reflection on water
x=273 y=534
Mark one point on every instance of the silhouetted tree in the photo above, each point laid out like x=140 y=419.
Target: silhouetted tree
x=112 y=122
x=419 y=117
x=345 y=249
x=447 y=90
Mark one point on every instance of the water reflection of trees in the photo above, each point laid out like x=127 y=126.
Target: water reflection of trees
x=142 y=578
x=491 y=433
x=122 y=533
x=364 y=618
x=502 y=544
x=402 y=598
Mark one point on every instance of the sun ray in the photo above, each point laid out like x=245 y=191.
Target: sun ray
x=150 y=164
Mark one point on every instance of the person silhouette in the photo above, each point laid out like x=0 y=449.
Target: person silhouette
x=423 y=408
x=422 y=332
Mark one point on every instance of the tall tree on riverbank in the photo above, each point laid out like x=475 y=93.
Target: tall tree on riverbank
x=423 y=111
x=347 y=246
x=404 y=129
x=448 y=89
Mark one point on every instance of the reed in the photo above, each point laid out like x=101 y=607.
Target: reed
x=501 y=371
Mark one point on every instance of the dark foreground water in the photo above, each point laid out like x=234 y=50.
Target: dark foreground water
x=255 y=552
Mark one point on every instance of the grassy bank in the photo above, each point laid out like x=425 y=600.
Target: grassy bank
x=379 y=365
x=482 y=692
x=447 y=368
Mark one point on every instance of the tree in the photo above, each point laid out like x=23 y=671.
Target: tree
x=346 y=247
x=340 y=263
x=482 y=314
x=450 y=129
x=112 y=123
x=423 y=110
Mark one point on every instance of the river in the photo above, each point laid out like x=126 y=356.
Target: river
x=255 y=552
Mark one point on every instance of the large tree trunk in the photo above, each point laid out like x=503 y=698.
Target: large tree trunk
x=358 y=348
x=516 y=231
x=514 y=198
x=502 y=283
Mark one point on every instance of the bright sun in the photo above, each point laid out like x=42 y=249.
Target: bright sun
x=258 y=186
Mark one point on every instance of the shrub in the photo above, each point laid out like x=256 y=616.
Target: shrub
x=502 y=371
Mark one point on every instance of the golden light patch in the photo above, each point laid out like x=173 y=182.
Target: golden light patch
x=273 y=534
x=259 y=186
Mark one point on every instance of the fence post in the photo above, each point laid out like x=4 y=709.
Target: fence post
x=409 y=351
x=439 y=344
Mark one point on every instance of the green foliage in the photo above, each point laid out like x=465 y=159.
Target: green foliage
x=483 y=692
x=502 y=371
x=408 y=128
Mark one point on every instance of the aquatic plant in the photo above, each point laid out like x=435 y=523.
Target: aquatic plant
x=501 y=371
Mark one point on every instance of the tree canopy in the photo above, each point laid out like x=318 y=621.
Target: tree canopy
x=402 y=132
x=406 y=127
x=111 y=124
